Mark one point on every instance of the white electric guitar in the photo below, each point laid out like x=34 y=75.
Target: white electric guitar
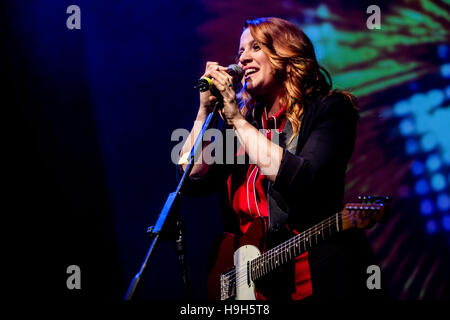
x=240 y=260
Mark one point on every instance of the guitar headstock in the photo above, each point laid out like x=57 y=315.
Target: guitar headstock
x=365 y=214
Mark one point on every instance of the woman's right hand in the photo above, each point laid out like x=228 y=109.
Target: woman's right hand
x=206 y=98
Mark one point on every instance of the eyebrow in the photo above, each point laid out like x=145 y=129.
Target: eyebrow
x=250 y=43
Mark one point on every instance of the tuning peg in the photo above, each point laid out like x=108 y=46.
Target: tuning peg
x=375 y=199
x=383 y=199
x=362 y=199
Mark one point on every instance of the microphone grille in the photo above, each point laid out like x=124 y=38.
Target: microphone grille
x=236 y=71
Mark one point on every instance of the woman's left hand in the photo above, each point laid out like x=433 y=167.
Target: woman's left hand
x=224 y=83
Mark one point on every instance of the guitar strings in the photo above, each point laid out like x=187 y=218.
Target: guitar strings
x=242 y=278
x=275 y=251
x=302 y=236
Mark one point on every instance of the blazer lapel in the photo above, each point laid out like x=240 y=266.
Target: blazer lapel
x=285 y=136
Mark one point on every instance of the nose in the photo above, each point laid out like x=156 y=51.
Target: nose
x=245 y=58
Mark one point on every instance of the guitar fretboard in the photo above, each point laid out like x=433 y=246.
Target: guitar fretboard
x=289 y=250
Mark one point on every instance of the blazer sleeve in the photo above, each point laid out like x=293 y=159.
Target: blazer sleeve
x=326 y=151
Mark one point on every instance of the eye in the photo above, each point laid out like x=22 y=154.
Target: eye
x=256 y=46
x=238 y=56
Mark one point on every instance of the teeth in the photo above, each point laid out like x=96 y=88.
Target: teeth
x=250 y=71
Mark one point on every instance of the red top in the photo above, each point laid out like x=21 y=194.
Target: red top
x=247 y=192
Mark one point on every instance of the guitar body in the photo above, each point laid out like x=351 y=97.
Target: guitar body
x=232 y=251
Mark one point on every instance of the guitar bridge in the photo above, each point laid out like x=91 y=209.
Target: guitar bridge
x=228 y=284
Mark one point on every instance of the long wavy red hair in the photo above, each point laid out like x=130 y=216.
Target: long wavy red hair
x=291 y=55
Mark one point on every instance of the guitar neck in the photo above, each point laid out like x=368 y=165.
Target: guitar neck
x=289 y=250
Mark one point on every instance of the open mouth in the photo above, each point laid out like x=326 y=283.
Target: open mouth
x=250 y=72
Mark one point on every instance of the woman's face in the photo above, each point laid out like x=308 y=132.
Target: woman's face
x=259 y=76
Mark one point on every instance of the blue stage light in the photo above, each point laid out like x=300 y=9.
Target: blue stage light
x=438 y=182
x=446 y=222
x=407 y=127
x=443 y=201
x=327 y=28
x=418 y=101
x=445 y=70
x=428 y=142
x=319 y=50
x=313 y=32
x=436 y=97
x=442 y=51
x=323 y=12
x=402 y=108
x=422 y=187
x=431 y=227
x=433 y=162
x=446 y=157
x=447 y=91
x=417 y=168
x=426 y=207
x=411 y=146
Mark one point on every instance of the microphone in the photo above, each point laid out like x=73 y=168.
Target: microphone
x=204 y=83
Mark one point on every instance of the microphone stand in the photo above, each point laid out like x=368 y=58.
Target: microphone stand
x=169 y=223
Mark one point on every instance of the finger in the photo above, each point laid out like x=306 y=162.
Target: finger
x=223 y=78
x=209 y=66
x=210 y=63
x=215 y=67
x=219 y=85
x=223 y=87
x=223 y=75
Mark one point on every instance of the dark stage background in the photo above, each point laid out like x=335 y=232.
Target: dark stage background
x=94 y=109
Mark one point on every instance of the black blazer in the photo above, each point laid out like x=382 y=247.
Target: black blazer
x=309 y=187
